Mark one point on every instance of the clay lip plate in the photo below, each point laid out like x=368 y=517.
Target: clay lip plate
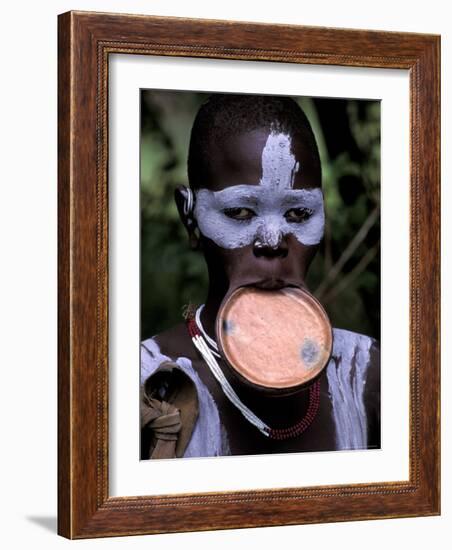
x=274 y=338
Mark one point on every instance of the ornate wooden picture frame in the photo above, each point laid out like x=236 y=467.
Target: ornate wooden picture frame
x=85 y=508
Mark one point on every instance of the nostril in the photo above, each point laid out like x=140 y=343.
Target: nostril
x=270 y=252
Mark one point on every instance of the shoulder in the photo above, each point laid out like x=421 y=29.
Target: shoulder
x=176 y=342
x=358 y=351
x=353 y=345
x=151 y=358
x=169 y=345
x=355 y=358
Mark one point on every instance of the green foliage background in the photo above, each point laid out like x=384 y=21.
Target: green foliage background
x=345 y=274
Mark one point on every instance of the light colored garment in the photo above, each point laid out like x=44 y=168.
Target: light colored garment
x=346 y=374
x=209 y=437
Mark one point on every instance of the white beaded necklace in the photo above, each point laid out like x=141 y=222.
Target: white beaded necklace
x=208 y=355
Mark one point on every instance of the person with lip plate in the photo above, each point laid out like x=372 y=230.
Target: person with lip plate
x=257 y=368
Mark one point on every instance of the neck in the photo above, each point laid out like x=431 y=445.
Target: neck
x=210 y=312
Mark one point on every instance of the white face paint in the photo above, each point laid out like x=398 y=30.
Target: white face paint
x=273 y=208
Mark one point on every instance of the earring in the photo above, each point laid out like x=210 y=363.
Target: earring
x=188 y=201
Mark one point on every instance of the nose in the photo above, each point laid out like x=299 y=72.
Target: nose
x=269 y=232
x=269 y=240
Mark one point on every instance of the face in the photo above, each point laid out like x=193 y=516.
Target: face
x=259 y=212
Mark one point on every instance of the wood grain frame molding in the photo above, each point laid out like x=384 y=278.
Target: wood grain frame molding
x=85 y=43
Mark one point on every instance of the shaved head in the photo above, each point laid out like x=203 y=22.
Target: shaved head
x=226 y=116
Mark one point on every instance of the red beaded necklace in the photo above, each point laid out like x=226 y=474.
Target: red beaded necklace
x=200 y=339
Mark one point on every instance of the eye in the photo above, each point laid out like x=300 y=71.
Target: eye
x=239 y=213
x=298 y=215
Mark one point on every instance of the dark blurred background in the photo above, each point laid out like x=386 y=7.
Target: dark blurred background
x=345 y=275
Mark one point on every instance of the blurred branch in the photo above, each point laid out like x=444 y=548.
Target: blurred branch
x=348 y=279
x=348 y=252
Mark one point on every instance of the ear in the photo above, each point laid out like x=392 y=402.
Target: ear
x=185 y=208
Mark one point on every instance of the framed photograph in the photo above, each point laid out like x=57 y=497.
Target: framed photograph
x=248 y=275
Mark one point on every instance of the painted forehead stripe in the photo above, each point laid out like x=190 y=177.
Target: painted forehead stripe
x=279 y=165
x=269 y=201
